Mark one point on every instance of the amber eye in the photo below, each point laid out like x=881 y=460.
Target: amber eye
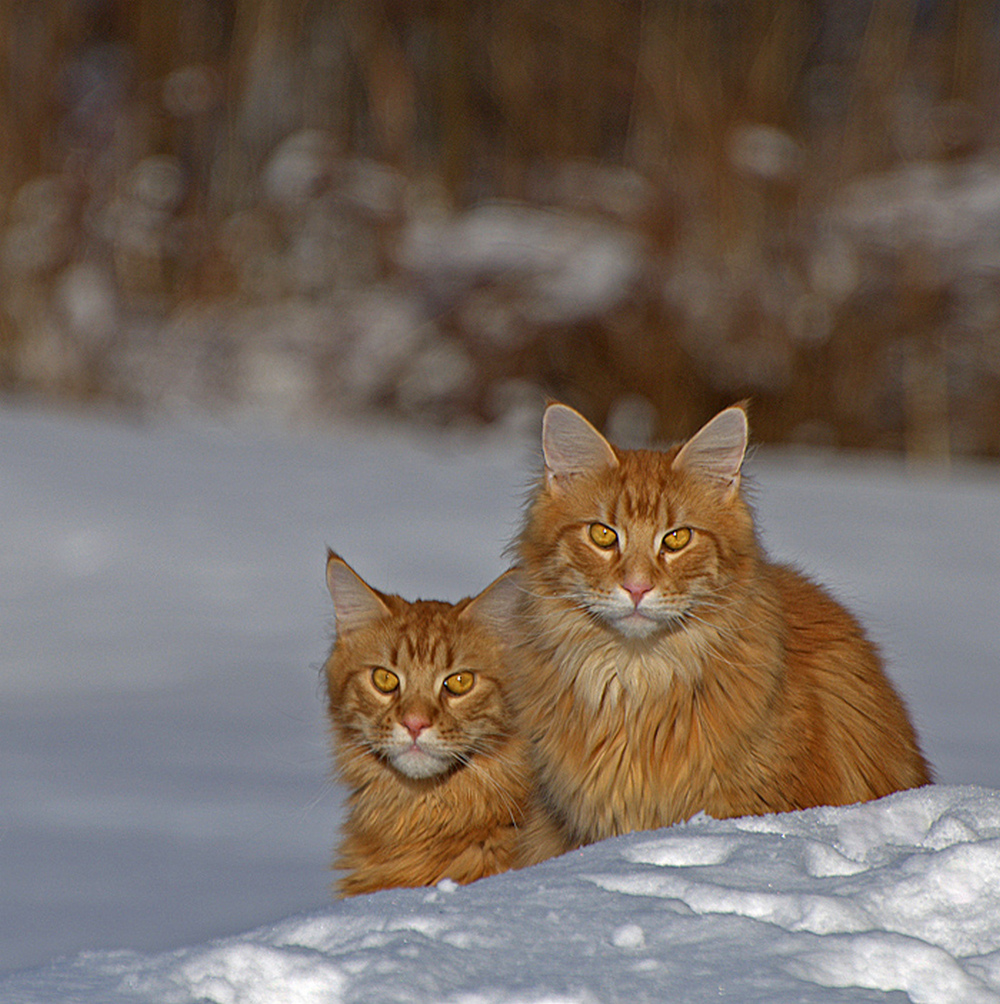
x=384 y=680
x=460 y=683
x=603 y=536
x=677 y=539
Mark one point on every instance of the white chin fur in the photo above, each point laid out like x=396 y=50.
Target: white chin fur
x=635 y=626
x=418 y=763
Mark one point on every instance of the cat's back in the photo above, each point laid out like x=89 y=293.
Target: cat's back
x=835 y=679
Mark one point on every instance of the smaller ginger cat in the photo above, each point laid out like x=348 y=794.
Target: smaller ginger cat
x=666 y=666
x=424 y=736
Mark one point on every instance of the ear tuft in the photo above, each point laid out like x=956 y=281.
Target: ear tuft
x=571 y=445
x=718 y=448
x=355 y=603
x=495 y=606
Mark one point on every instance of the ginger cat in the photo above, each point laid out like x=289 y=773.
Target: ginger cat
x=667 y=667
x=424 y=737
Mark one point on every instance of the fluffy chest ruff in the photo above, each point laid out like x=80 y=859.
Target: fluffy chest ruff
x=634 y=734
x=403 y=831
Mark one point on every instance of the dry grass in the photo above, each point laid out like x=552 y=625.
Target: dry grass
x=744 y=120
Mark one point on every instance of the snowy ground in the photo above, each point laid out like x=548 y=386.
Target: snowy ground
x=164 y=757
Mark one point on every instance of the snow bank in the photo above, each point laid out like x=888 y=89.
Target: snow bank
x=823 y=905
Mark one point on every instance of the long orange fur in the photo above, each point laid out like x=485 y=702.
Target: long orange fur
x=462 y=823
x=756 y=692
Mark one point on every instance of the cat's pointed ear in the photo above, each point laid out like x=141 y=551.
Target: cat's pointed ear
x=718 y=448
x=355 y=603
x=572 y=446
x=495 y=606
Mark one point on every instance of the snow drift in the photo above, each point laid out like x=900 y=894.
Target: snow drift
x=822 y=905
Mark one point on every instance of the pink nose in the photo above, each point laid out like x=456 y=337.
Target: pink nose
x=415 y=724
x=637 y=590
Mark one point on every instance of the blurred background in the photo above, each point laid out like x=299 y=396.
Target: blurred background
x=444 y=210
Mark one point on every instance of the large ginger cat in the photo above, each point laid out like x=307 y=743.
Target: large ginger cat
x=667 y=667
x=424 y=737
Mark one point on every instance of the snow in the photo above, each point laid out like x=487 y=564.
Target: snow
x=165 y=758
x=822 y=905
x=573 y=268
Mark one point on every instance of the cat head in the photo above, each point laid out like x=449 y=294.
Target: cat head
x=641 y=540
x=416 y=688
